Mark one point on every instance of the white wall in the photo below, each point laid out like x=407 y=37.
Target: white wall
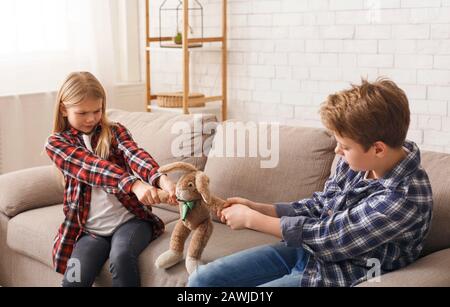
x=26 y=121
x=286 y=56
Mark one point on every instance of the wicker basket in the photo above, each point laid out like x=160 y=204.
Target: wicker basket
x=175 y=100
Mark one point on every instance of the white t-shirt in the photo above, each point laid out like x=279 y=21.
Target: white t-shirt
x=106 y=213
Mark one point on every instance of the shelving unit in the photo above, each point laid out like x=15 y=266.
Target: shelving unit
x=185 y=49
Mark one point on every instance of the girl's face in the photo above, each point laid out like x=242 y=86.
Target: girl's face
x=85 y=115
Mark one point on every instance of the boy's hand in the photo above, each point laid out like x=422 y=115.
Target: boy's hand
x=145 y=193
x=219 y=211
x=167 y=185
x=230 y=202
x=237 y=216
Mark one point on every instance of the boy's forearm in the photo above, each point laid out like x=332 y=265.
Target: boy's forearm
x=264 y=223
x=265 y=209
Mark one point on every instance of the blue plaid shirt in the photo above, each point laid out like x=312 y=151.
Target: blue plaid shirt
x=355 y=220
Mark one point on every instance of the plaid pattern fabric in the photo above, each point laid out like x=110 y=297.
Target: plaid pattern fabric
x=83 y=170
x=355 y=220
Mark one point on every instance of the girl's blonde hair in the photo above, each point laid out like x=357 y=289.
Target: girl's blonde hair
x=77 y=87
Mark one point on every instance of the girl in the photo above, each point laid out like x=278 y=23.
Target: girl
x=109 y=182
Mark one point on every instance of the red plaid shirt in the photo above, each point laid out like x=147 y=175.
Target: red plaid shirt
x=84 y=170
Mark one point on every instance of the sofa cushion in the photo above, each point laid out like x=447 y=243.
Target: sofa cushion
x=437 y=166
x=305 y=158
x=430 y=271
x=223 y=241
x=29 y=189
x=156 y=133
x=31 y=233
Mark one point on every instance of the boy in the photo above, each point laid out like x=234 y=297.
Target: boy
x=375 y=209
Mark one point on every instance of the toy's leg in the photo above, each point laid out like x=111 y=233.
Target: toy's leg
x=175 y=253
x=199 y=239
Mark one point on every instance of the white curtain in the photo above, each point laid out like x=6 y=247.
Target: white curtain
x=41 y=42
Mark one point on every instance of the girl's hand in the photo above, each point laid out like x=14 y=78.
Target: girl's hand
x=145 y=193
x=237 y=216
x=167 y=185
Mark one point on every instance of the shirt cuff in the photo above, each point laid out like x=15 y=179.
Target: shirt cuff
x=284 y=209
x=292 y=230
x=126 y=182
x=153 y=179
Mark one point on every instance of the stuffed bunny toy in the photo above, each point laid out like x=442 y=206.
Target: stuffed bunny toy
x=195 y=203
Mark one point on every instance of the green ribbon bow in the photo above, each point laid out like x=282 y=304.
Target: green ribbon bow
x=187 y=207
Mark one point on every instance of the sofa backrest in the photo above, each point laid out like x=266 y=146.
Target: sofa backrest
x=437 y=166
x=154 y=132
x=305 y=157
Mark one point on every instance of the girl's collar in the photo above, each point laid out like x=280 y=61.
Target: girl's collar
x=76 y=132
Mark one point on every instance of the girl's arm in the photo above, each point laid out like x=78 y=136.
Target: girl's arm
x=140 y=161
x=79 y=163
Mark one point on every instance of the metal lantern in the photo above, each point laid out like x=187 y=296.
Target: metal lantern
x=171 y=23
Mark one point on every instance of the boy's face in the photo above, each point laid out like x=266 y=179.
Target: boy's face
x=354 y=154
x=85 y=115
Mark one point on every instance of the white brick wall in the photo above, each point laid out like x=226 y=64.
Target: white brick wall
x=286 y=56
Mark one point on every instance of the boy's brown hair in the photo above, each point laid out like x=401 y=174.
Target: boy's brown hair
x=368 y=113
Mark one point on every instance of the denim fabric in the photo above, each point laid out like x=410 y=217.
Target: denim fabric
x=123 y=249
x=269 y=265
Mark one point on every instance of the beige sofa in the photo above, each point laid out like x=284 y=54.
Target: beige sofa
x=31 y=210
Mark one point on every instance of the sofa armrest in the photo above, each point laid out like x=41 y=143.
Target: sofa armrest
x=29 y=189
x=430 y=271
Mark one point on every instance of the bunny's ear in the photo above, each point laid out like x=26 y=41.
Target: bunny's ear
x=182 y=166
x=202 y=184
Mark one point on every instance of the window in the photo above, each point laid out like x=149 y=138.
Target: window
x=42 y=41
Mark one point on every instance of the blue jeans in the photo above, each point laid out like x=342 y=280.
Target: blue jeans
x=123 y=249
x=265 y=266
